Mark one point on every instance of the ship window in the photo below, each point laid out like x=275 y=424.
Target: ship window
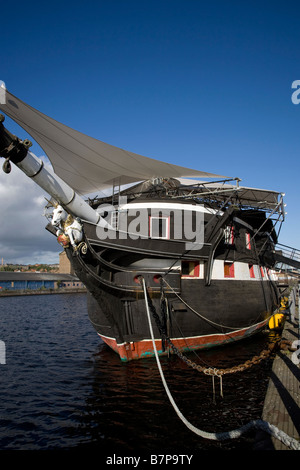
x=190 y=269
x=248 y=244
x=159 y=227
x=228 y=232
x=228 y=269
x=251 y=271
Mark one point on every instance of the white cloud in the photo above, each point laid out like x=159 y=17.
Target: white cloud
x=23 y=238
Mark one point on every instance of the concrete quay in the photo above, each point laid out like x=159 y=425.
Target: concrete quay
x=282 y=401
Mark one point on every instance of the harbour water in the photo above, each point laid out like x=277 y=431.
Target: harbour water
x=62 y=388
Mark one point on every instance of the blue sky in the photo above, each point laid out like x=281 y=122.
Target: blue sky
x=205 y=85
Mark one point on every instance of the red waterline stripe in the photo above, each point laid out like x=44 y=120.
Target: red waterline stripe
x=141 y=349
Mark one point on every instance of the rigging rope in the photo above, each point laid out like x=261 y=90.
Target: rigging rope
x=199 y=314
x=220 y=436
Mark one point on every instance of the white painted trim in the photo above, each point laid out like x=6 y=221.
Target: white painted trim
x=169 y=206
x=241 y=271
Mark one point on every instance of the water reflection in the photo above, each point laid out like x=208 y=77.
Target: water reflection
x=61 y=388
x=129 y=409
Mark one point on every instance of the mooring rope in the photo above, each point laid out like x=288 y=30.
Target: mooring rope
x=220 y=436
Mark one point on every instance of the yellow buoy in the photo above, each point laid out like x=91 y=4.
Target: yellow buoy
x=284 y=303
x=276 y=321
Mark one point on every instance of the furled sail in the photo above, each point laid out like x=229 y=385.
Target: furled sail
x=87 y=164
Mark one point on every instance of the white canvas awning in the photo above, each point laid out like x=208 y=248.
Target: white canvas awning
x=87 y=164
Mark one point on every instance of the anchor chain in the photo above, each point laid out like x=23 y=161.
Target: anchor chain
x=212 y=371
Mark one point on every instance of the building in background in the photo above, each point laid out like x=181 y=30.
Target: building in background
x=36 y=281
x=64 y=264
x=28 y=280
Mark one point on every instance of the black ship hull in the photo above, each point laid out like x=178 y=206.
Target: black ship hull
x=191 y=311
x=128 y=333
